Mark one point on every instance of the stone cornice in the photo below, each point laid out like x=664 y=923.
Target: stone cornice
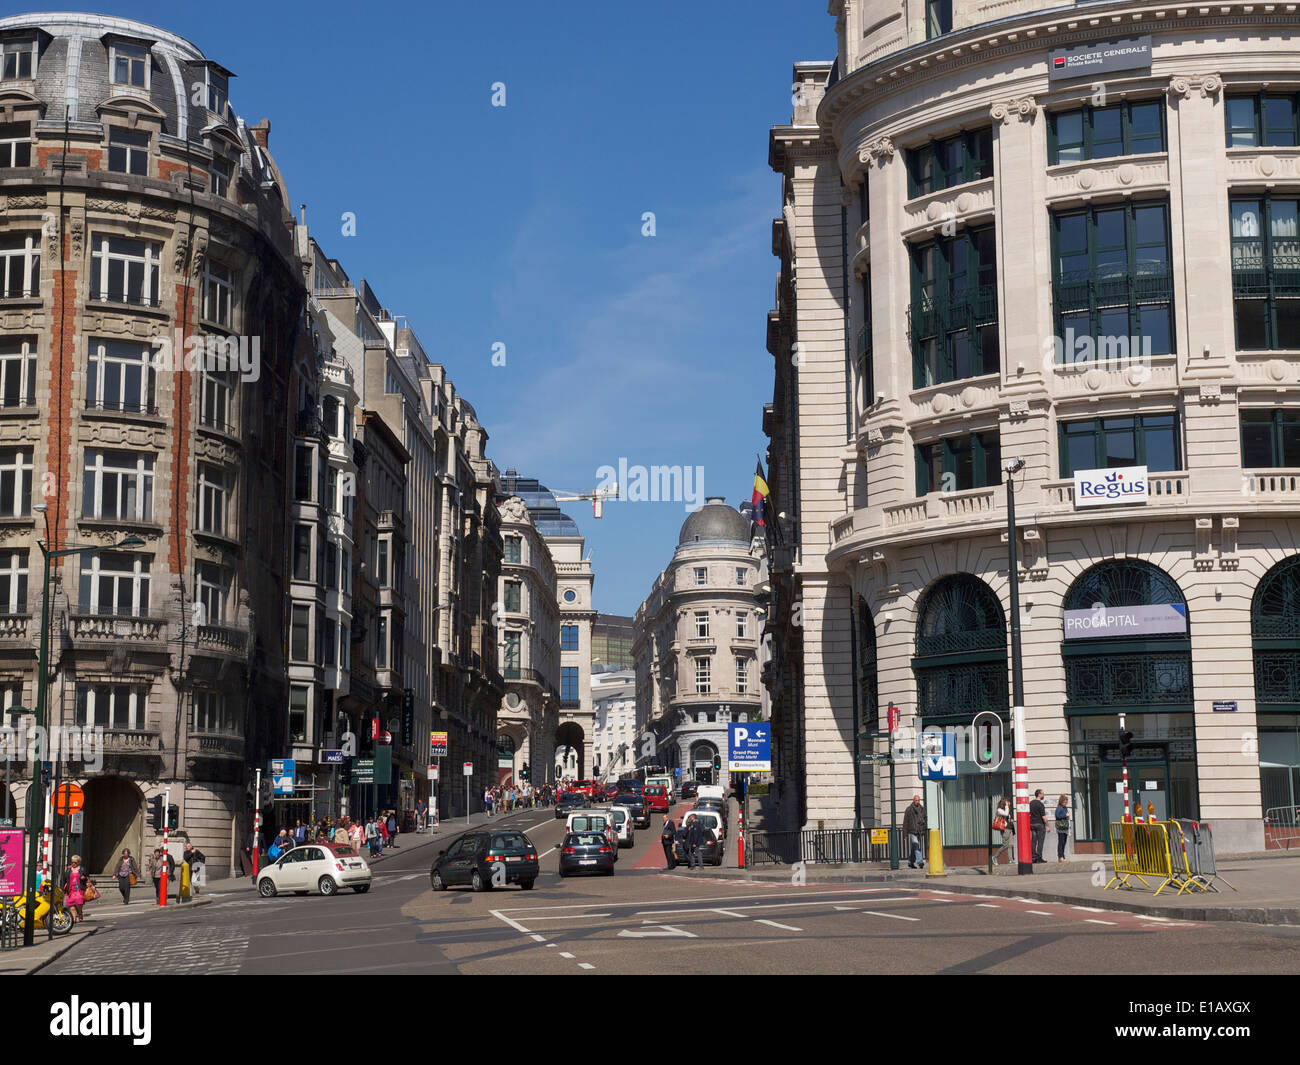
x=992 y=43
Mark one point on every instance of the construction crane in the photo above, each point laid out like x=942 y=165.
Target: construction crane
x=598 y=497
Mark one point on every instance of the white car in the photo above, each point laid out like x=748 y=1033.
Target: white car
x=711 y=818
x=594 y=821
x=315 y=867
x=624 y=829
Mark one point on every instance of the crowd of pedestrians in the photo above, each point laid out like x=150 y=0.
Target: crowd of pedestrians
x=507 y=797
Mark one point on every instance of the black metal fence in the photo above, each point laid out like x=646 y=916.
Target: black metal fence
x=831 y=846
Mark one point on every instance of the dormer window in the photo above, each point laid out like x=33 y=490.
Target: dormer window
x=19 y=59
x=220 y=173
x=216 y=89
x=129 y=64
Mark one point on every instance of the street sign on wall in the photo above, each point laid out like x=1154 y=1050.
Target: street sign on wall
x=938 y=756
x=283 y=773
x=331 y=757
x=363 y=771
x=749 y=747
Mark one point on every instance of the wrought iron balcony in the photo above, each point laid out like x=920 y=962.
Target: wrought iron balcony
x=1111 y=680
x=1081 y=290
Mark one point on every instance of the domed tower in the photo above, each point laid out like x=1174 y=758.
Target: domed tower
x=150 y=309
x=697 y=647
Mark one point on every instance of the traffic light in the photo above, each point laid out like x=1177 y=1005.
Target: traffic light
x=345 y=773
x=987 y=740
x=523 y=773
x=1125 y=744
x=717 y=761
x=156 y=813
x=173 y=817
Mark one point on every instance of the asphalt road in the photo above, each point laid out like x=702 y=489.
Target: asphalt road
x=643 y=920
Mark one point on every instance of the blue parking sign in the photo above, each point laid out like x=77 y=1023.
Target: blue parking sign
x=283 y=772
x=749 y=747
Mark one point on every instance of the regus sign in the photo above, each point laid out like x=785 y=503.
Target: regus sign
x=1099 y=488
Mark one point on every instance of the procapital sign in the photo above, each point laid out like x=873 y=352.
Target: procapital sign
x=1160 y=620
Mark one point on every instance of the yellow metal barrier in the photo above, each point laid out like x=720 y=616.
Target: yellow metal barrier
x=1149 y=849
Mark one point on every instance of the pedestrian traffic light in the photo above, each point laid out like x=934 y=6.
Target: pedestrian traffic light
x=156 y=813
x=987 y=740
x=173 y=817
x=1125 y=744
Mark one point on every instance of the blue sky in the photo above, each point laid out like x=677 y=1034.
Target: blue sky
x=522 y=225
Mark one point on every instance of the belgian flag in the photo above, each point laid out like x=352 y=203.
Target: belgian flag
x=761 y=493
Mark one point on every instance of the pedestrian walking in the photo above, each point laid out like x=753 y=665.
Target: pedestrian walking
x=667 y=837
x=191 y=862
x=73 y=885
x=1062 y=826
x=127 y=874
x=372 y=837
x=1005 y=822
x=916 y=829
x=694 y=837
x=1038 y=825
x=355 y=833
x=393 y=828
x=487 y=801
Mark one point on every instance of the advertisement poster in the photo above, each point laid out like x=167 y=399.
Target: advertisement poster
x=11 y=861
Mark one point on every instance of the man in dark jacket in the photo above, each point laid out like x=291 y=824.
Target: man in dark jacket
x=667 y=837
x=915 y=828
x=694 y=837
x=1037 y=825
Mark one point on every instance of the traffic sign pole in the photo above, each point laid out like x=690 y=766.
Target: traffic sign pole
x=167 y=809
x=1026 y=855
x=257 y=818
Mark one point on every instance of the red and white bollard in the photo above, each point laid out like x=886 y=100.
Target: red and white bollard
x=162 y=890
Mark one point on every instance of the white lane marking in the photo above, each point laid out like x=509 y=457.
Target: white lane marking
x=585 y=965
x=541 y=856
x=777 y=924
x=837 y=892
x=658 y=931
x=565 y=954
x=551 y=944
x=572 y=917
x=895 y=916
x=939 y=891
x=1088 y=909
x=775 y=905
x=1093 y=920
x=1041 y=913
x=989 y=905
x=540 y=939
x=729 y=913
x=851 y=909
x=511 y=922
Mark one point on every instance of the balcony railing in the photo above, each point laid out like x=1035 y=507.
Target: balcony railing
x=132 y=741
x=1281 y=279
x=14 y=626
x=1082 y=290
x=222 y=638
x=112 y=627
x=217 y=745
x=133 y=299
x=929 y=317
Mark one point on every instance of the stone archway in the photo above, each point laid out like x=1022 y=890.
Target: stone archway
x=571 y=735
x=114 y=819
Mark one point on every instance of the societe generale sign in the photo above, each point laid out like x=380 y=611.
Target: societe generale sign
x=1100 y=488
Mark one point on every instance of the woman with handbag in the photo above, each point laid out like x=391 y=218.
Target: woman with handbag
x=1005 y=822
x=74 y=884
x=1062 y=826
x=127 y=874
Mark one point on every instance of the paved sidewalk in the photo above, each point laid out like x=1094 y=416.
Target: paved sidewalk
x=1268 y=886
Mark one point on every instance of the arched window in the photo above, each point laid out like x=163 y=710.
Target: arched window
x=1123 y=652
x=1127 y=650
x=961 y=651
x=1275 y=633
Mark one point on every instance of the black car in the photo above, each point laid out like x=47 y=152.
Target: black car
x=636 y=807
x=570 y=801
x=690 y=789
x=485 y=860
x=711 y=849
x=586 y=852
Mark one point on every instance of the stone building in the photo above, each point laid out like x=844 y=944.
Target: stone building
x=137 y=213
x=994 y=248
x=528 y=612
x=698 y=644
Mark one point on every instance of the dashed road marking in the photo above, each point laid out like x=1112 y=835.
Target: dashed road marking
x=777 y=924
x=895 y=916
x=1093 y=920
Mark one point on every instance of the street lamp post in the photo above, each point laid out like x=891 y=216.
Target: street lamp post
x=36 y=802
x=1025 y=854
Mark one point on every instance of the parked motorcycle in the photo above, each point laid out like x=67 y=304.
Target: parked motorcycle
x=16 y=915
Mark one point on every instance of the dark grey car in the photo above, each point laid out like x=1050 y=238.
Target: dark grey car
x=586 y=852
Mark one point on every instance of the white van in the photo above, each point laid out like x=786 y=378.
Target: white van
x=711 y=791
x=594 y=821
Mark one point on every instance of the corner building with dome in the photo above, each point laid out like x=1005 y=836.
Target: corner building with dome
x=1070 y=236
x=698 y=644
